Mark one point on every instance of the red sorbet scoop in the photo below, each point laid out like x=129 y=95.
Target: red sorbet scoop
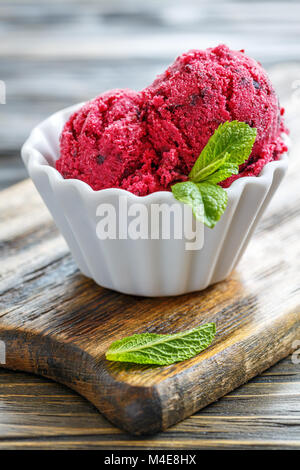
x=146 y=141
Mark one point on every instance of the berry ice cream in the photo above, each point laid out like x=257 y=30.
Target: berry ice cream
x=146 y=141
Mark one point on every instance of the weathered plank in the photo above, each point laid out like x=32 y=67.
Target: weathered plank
x=61 y=323
x=55 y=417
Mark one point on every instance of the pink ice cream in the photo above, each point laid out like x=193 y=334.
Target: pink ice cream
x=146 y=141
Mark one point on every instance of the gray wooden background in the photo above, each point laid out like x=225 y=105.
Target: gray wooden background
x=53 y=54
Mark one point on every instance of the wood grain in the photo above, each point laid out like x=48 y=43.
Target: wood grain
x=37 y=413
x=61 y=323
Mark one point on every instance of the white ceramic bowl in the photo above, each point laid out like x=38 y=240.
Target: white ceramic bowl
x=144 y=267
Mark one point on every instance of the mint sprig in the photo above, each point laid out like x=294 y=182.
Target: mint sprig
x=229 y=147
x=151 y=348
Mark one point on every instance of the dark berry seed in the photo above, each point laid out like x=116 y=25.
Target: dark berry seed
x=194 y=100
x=173 y=107
x=100 y=159
x=245 y=81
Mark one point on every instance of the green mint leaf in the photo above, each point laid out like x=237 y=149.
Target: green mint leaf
x=208 y=201
x=209 y=169
x=188 y=193
x=214 y=200
x=227 y=148
x=233 y=138
x=150 y=348
x=224 y=172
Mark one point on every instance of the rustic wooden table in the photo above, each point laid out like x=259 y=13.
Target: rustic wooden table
x=53 y=55
x=36 y=413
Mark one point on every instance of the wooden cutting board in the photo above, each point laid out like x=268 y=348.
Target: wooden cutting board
x=58 y=324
